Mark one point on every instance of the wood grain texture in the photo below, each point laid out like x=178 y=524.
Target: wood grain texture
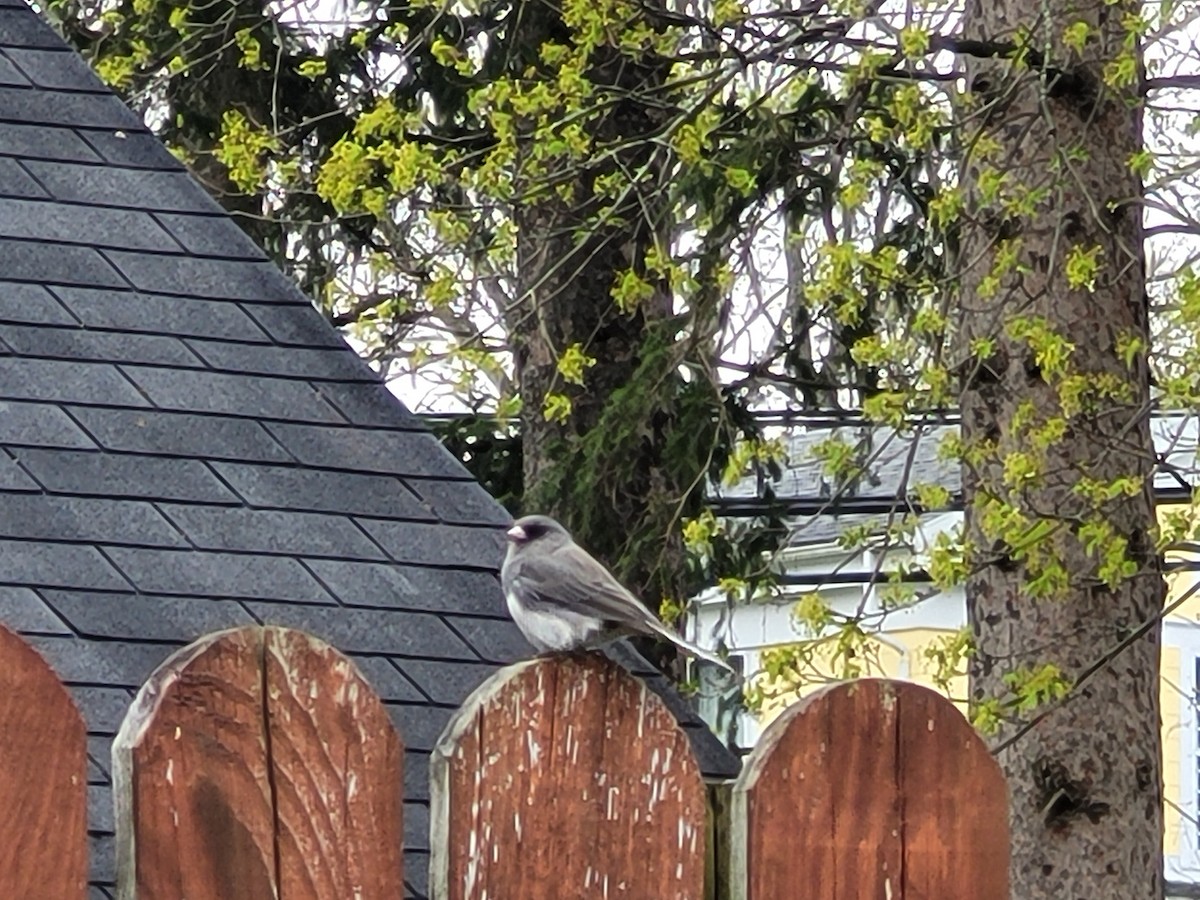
x=194 y=816
x=252 y=765
x=871 y=789
x=956 y=803
x=43 y=780
x=338 y=775
x=565 y=777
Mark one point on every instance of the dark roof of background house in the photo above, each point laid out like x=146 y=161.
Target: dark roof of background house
x=187 y=445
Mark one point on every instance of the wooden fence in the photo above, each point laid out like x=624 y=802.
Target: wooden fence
x=258 y=763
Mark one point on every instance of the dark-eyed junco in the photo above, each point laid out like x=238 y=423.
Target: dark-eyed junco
x=562 y=599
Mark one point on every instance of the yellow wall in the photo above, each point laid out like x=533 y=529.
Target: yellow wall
x=1172 y=751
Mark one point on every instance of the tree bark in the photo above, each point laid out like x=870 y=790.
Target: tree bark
x=1085 y=780
x=568 y=263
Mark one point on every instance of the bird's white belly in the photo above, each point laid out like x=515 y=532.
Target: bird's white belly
x=552 y=632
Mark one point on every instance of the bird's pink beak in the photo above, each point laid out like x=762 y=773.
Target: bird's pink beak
x=517 y=534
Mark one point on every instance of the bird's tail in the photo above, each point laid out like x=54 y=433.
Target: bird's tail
x=689 y=648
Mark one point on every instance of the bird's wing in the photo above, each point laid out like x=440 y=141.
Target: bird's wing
x=569 y=577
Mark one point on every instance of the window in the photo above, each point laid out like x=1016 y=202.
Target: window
x=718 y=697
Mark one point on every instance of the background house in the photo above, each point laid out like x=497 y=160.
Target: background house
x=812 y=560
x=187 y=445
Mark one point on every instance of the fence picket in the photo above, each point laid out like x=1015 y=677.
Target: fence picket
x=956 y=803
x=339 y=775
x=870 y=788
x=566 y=777
x=43 y=780
x=258 y=763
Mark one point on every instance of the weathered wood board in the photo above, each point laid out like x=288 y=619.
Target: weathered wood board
x=566 y=777
x=870 y=789
x=43 y=780
x=258 y=763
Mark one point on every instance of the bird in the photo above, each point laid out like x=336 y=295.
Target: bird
x=563 y=600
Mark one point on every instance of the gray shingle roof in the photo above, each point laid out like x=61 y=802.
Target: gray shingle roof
x=187 y=445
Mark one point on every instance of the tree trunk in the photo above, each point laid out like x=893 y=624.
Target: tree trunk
x=603 y=469
x=1040 y=428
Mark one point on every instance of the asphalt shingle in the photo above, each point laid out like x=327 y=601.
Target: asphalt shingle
x=141 y=617
x=125 y=475
x=54 y=263
x=300 y=325
x=13 y=478
x=205 y=574
x=389 y=585
x=194 y=276
x=186 y=444
x=443 y=682
x=55 y=70
x=157 y=314
x=19 y=29
x=373 y=405
x=416 y=826
x=271 y=531
x=179 y=434
x=387 y=680
x=420 y=725
x=24 y=611
x=15 y=181
x=209 y=235
x=42 y=142
x=446 y=545
x=241 y=395
x=114 y=663
x=119 y=188
x=416 y=776
x=370 y=631
x=99 y=758
x=32 y=107
x=90 y=346
x=321 y=491
x=66 y=381
x=460 y=503
x=86 y=225
x=294 y=362
x=103 y=708
x=52 y=564
x=86 y=520
x=31 y=303
x=10 y=75
x=100 y=810
x=39 y=425
x=496 y=640
x=135 y=149
x=389 y=452
x=416 y=872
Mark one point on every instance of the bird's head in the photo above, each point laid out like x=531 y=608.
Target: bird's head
x=528 y=529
